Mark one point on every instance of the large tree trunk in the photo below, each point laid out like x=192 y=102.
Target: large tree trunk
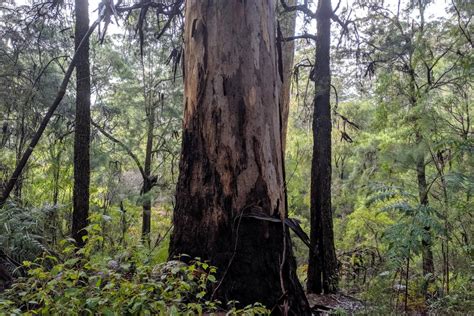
x=287 y=24
x=322 y=267
x=231 y=165
x=82 y=127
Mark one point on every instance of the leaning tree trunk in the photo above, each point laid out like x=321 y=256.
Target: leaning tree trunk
x=82 y=127
x=230 y=195
x=322 y=266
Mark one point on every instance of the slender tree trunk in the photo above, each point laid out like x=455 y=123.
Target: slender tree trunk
x=287 y=24
x=21 y=145
x=322 y=267
x=44 y=122
x=426 y=243
x=422 y=190
x=53 y=226
x=446 y=228
x=407 y=278
x=427 y=252
x=439 y=163
x=82 y=127
x=123 y=224
x=147 y=183
x=231 y=171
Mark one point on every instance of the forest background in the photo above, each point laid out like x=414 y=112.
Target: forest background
x=401 y=93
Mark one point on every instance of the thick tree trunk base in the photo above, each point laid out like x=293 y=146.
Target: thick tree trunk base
x=250 y=271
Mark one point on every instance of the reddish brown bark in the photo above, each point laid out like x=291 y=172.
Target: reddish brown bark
x=231 y=164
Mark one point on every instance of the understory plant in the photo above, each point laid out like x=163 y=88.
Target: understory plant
x=75 y=283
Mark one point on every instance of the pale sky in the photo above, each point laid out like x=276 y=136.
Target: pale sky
x=436 y=9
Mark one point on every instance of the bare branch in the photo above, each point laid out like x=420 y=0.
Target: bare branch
x=121 y=144
x=306 y=36
x=300 y=7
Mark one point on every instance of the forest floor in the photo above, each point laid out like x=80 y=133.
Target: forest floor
x=334 y=302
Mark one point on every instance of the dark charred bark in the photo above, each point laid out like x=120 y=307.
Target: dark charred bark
x=322 y=267
x=82 y=127
x=231 y=163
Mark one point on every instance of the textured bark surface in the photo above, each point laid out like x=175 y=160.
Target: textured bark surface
x=231 y=163
x=82 y=126
x=322 y=266
x=287 y=24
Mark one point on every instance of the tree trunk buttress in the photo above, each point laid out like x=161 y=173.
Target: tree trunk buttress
x=322 y=266
x=82 y=127
x=231 y=163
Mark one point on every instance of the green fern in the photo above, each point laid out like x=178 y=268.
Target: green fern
x=22 y=232
x=406 y=236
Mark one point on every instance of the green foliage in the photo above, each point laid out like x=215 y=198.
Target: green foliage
x=379 y=222
x=79 y=284
x=405 y=237
x=459 y=300
x=24 y=231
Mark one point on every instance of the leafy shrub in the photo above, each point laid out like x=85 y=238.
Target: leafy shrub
x=77 y=284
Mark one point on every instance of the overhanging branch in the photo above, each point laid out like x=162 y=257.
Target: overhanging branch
x=121 y=144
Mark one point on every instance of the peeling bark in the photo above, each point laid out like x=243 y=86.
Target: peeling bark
x=231 y=159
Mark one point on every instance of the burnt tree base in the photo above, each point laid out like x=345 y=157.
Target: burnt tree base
x=250 y=271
